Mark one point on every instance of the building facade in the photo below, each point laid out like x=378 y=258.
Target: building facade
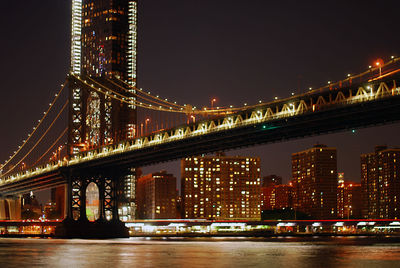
x=276 y=197
x=104 y=52
x=221 y=187
x=58 y=199
x=349 y=202
x=157 y=196
x=314 y=174
x=104 y=45
x=271 y=180
x=380 y=183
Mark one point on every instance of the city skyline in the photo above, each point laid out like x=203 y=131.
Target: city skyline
x=204 y=50
x=282 y=120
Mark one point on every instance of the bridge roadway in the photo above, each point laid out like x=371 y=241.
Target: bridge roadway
x=312 y=113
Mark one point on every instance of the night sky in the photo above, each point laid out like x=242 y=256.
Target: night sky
x=191 y=51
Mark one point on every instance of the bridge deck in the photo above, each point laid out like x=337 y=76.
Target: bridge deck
x=312 y=113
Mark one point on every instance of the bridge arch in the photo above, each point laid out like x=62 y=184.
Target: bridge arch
x=92 y=201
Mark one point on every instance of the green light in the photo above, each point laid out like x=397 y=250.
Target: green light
x=269 y=127
x=353 y=131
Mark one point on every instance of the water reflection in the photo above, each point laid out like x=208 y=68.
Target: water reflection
x=199 y=253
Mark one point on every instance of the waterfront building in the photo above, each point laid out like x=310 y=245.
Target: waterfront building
x=267 y=198
x=221 y=187
x=380 y=183
x=58 y=200
x=30 y=207
x=156 y=196
x=276 y=197
x=314 y=174
x=349 y=202
x=271 y=180
x=104 y=49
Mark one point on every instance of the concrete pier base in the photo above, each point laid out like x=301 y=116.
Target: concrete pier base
x=86 y=229
x=10 y=208
x=3 y=214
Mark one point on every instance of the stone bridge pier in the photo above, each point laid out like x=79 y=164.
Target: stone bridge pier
x=92 y=198
x=10 y=208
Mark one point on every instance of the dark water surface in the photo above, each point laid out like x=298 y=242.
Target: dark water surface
x=217 y=252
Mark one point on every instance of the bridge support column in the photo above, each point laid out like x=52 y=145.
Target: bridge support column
x=76 y=224
x=3 y=215
x=10 y=208
x=15 y=208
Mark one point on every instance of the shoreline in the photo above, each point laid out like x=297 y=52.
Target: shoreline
x=284 y=237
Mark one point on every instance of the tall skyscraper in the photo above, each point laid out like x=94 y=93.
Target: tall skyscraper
x=104 y=35
x=380 y=183
x=314 y=174
x=104 y=50
x=221 y=187
x=157 y=196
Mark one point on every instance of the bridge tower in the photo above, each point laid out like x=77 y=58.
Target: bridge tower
x=103 y=47
x=103 y=51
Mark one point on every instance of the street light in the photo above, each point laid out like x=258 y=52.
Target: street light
x=379 y=64
x=59 y=152
x=146 y=122
x=212 y=103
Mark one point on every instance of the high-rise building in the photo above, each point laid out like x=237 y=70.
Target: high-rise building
x=58 y=199
x=271 y=180
x=30 y=207
x=104 y=37
x=349 y=203
x=314 y=174
x=380 y=183
x=267 y=198
x=277 y=197
x=156 y=196
x=221 y=187
x=104 y=51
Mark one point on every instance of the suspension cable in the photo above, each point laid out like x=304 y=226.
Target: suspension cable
x=122 y=98
x=209 y=111
x=149 y=106
x=163 y=102
x=144 y=93
x=36 y=127
x=39 y=140
x=51 y=147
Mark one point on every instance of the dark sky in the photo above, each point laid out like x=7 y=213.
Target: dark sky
x=191 y=51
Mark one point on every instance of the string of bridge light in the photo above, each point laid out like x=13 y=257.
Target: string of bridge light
x=122 y=98
x=362 y=74
x=218 y=110
x=51 y=146
x=135 y=95
x=161 y=106
x=39 y=140
x=370 y=69
x=140 y=90
x=146 y=94
x=35 y=128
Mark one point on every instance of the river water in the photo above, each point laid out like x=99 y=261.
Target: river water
x=214 y=252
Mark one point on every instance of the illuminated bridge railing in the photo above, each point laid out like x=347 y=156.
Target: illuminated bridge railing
x=309 y=102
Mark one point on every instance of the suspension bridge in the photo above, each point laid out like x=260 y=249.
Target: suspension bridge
x=166 y=130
